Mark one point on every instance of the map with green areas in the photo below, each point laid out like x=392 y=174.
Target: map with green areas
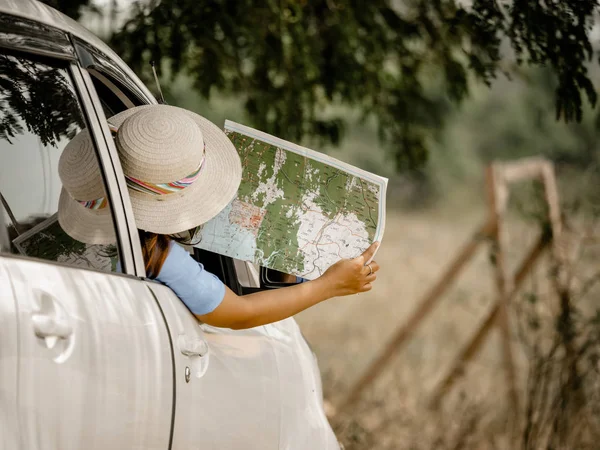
x=297 y=211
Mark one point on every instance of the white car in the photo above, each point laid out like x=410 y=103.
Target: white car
x=94 y=359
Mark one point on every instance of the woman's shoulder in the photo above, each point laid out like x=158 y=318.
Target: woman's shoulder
x=178 y=259
x=200 y=290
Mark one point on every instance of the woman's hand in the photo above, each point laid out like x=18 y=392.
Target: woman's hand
x=351 y=276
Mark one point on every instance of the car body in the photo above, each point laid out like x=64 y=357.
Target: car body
x=105 y=360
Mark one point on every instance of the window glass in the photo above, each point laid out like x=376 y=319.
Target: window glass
x=51 y=188
x=112 y=97
x=104 y=68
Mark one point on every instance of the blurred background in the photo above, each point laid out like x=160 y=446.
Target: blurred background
x=426 y=93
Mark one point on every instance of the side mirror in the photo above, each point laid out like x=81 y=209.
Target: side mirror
x=274 y=279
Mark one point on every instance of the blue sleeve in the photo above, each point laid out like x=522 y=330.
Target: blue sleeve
x=201 y=291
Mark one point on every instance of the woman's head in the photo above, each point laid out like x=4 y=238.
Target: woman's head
x=181 y=171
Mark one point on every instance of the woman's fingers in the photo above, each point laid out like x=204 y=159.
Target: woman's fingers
x=368 y=253
x=371 y=278
x=374 y=266
x=366 y=287
x=370 y=268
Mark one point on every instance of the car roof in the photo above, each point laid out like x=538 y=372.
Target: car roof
x=42 y=13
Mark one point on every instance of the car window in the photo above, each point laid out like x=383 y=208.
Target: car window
x=113 y=96
x=96 y=59
x=115 y=88
x=39 y=115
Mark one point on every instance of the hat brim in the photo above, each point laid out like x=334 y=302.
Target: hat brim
x=85 y=225
x=214 y=189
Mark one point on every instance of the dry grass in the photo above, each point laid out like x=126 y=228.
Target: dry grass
x=347 y=333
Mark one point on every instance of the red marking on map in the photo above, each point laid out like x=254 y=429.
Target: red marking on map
x=246 y=215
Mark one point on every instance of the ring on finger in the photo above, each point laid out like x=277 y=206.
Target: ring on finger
x=370 y=269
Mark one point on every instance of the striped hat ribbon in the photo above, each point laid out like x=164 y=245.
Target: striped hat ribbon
x=165 y=188
x=99 y=203
x=161 y=188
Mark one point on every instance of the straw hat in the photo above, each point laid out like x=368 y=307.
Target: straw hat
x=83 y=209
x=180 y=168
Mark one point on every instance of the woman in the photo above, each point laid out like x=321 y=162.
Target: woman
x=181 y=171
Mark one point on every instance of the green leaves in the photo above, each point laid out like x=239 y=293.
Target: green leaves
x=556 y=34
x=289 y=60
x=397 y=62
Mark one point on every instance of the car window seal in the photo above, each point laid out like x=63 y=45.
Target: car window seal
x=132 y=261
x=93 y=58
x=92 y=123
x=4 y=241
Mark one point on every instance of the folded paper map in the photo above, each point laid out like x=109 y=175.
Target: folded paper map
x=297 y=211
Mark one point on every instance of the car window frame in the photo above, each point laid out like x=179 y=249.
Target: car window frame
x=28 y=37
x=4 y=241
x=91 y=62
x=89 y=115
x=112 y=87
x=94 y=59
x=131 y=262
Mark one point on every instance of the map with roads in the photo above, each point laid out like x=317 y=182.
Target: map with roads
x=297 y=211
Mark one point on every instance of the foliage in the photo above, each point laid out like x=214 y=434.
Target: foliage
x=39 y=97
x=517 y=123
x=514 y=120
x=561 y=42
x=563 y=383
x=289 y=59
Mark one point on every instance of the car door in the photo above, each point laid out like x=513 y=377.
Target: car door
x=226 y=382
x=301 y=417
x=94 y=360
x=95 y=367
x=9 y=423
x=254 y=389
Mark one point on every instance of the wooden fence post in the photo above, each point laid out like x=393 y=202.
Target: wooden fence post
x=498 y=177
x=423 y=309
x=497 y=200
x=474 y=345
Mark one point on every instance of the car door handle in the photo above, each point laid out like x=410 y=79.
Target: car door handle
x=49 y=318
x=192 y=346
x=46 y=325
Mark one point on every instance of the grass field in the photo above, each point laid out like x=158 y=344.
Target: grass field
x=347 y=333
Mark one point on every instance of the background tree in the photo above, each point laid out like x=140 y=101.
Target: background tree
x=290 y=60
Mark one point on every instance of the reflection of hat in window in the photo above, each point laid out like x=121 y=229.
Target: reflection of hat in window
x=83 y=210
x=181 y=171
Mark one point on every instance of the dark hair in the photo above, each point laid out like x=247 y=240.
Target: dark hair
x=155 y=247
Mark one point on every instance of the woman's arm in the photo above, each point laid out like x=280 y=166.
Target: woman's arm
x=349 y=276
